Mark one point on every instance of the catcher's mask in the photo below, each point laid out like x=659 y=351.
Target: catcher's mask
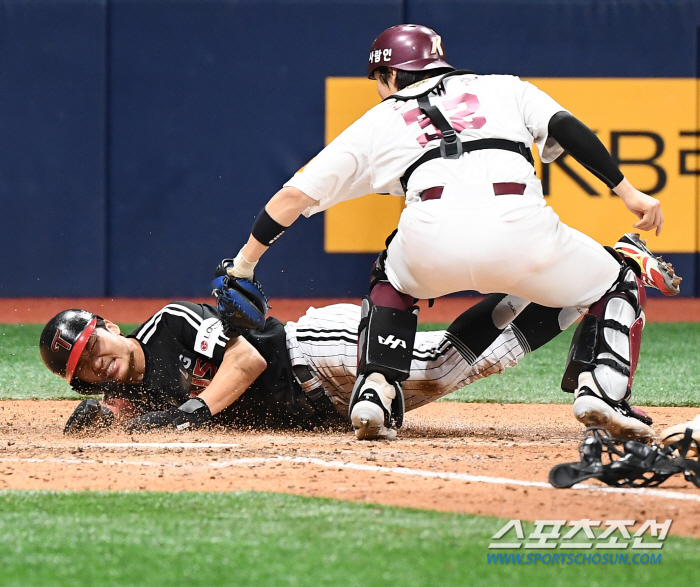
x=628 y=463
x=64 y=338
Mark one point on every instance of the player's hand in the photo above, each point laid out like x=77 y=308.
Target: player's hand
x=89 y=414
x=644 y=207
x=192 y=414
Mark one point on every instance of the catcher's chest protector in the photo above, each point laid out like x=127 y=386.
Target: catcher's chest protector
x=451 y=147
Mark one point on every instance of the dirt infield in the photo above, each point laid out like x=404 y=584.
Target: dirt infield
x=487 y=459
x=41 y=310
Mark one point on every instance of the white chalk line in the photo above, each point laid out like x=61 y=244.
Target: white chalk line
x=651 y=492
x=143 y=445
x=166 y=445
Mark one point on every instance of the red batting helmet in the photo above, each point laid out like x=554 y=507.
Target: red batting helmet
x=64 y=338
x=408 y=47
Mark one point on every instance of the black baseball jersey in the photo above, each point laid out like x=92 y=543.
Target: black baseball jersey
x=184 y=345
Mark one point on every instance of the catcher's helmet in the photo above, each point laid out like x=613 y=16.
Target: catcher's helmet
x=408 y=47
x=64 y=338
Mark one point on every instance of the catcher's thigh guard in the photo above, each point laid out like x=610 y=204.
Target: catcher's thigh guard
x=607 y=341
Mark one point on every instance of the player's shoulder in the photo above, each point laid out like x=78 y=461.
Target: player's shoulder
x=500 y=79
x=177 y=314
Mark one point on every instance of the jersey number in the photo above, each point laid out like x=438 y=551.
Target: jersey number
x=460 y=111
x=200 y=372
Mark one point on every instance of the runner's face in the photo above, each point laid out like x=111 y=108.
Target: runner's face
x=107 y=357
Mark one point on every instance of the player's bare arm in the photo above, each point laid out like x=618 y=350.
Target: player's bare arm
x=241 y=366
x=282 y=210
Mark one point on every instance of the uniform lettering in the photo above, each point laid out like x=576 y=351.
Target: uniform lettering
x=203 y=369
x=460 y=110
x=464 y=118
x=615 y=140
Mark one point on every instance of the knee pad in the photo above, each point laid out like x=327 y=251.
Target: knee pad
x=607 y=340
x=385 y=340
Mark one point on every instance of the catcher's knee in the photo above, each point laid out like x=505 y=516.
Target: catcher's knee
x=607 y=341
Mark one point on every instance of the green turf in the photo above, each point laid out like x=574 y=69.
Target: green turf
x=668 y=372
x=22 y=374
x=49 y=539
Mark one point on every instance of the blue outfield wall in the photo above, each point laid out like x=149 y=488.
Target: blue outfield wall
x=52 y=148
x=140 y=138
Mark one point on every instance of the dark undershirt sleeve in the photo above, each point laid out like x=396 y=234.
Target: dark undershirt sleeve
x=584 y=146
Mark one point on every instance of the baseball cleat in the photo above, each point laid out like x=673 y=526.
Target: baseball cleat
x=656 y=272
x=369 y=418
x=676 y=433
x=620 y=420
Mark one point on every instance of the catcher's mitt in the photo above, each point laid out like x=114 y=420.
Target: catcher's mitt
x=241 y=302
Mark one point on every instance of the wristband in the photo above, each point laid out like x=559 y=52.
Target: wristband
x=267 y=230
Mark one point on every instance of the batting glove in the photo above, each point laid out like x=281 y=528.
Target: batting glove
x=192 y=414
x=89 y=414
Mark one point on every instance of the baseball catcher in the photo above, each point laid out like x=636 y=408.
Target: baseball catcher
x=457 y=145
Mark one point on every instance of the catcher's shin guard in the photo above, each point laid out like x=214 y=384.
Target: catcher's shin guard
x=385 y=349
x=385 y=340
x=608 y=339
x=603 y=358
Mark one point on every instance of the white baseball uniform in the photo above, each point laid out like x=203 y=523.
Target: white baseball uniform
x=470 y=238
x=325 y=340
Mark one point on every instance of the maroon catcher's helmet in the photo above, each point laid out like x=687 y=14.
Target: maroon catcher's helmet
x=64 y=338
x=408 y=47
